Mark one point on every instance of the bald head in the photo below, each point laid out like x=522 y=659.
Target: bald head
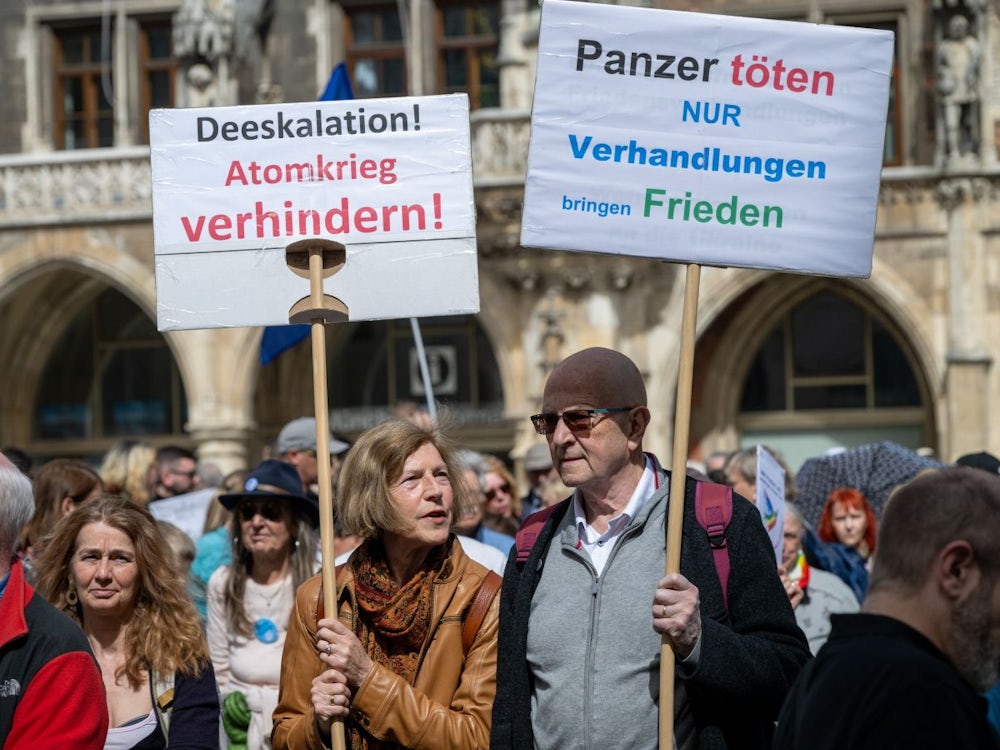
x=596 y=377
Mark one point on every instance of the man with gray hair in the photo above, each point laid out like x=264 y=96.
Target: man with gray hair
x=907 y=670
x=815 y=594
x=51 y=692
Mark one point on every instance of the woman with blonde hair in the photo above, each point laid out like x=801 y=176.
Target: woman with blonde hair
x=502 y=501
x=409 y=657
x=128 y=469
x=106 y=567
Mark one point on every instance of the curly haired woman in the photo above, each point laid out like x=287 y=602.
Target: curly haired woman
x=107 y=566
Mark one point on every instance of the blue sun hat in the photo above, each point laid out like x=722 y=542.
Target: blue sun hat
x=274 y=479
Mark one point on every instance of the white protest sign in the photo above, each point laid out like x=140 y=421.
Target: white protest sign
x=771 y=497
x=187 y=512
x=390 y=179
x=707 y=139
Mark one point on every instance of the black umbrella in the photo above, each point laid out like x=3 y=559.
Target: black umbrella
x=873 y=469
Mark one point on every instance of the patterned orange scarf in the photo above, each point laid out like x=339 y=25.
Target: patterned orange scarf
x=393 y=620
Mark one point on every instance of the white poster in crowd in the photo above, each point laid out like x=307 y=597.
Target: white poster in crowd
x=708 y=139
x=187 y=512
x=389 y=179
x=771 y=497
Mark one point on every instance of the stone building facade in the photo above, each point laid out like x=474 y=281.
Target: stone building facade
x=801 y=363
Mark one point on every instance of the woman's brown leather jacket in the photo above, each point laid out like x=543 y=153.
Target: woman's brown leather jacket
x=451 y=701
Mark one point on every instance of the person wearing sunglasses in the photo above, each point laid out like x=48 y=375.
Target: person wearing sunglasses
x=250 y=600
x=409 y=657
x=584 y=609
x=502 y=502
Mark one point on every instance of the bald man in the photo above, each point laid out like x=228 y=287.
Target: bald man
x=581 y=619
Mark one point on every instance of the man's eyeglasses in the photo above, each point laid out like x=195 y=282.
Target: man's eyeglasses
x=577 y=420
x=188 y=474
x=271 y=510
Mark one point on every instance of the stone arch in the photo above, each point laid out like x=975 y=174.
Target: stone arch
x=48 y=278
x=741 y=312
x=44 y=281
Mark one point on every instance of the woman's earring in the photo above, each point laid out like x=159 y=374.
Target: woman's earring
x=71 y=598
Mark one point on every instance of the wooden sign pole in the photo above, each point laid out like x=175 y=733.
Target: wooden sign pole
x=678 y=475
x=322 y=258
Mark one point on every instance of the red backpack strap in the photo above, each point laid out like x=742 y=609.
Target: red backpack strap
x=526 y=536
x=477 y=610
x=713 y=505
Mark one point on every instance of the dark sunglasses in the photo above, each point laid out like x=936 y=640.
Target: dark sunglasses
x=271 y=510
x=492 y=493
x=577 y=420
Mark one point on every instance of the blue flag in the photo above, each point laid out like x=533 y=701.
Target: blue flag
x=338 y=88
x=278 y=339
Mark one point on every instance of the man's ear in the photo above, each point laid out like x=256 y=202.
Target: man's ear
x=956 y=569
x=638 y=421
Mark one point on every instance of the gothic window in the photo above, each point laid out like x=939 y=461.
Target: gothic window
x=111 y=375
x=158 y=69
x=833 y=372
x=828 y=353
x=376 y=54
x=466 y=44
x=83 y=85
x=467 y=51
x=86 y=85
x=892 y=154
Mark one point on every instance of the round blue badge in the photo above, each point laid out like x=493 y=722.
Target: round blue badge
x=265 y=630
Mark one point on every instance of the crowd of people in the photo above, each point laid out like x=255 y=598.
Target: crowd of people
x=473 y=613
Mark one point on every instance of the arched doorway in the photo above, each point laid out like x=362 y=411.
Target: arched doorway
x=107 y=374
x=825 y=367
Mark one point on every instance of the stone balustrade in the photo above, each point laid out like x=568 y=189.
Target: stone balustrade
x=107 y=185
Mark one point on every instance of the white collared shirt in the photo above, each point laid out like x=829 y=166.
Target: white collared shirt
x=598 y=546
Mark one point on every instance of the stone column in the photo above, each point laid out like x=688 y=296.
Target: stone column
x=224 y=446
x=218 y=366
x=968 y=358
